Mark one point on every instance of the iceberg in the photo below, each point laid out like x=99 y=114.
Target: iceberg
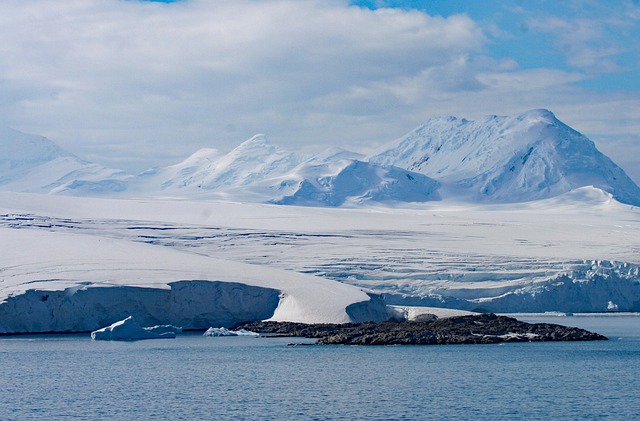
x=129 y=330
x=223 y=331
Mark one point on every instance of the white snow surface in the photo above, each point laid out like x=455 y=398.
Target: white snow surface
x=129 y=330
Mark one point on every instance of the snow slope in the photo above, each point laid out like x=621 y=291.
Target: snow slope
x=519 y=158
x=36 y=164
x=61 y=282
x=257 y=171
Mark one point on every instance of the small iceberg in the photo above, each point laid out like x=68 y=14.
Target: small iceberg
x=223 y=331
x=129 y=330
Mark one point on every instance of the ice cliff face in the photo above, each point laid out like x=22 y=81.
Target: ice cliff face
x=591 y=287
x=508 y=159
x=83 y=308
x=56 y=282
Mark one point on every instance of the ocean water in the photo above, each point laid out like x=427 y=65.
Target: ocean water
x=193 y=377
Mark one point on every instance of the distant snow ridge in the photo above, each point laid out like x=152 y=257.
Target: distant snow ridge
x=521 y=158
x=36 y=164
x=508 y=159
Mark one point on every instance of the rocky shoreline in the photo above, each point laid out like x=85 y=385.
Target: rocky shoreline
x=475 y=329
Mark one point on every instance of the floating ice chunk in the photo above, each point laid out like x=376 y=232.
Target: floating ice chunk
x=243 y=332
x=223 y=331
x=160 y=329
x=129 y=330
x=218 y=331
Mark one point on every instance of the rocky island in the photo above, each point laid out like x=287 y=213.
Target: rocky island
x=474 y=329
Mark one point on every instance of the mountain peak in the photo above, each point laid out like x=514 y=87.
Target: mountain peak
x=36 y=164
x=258 y=140
x=22 y=148
x=525 y=157
x=538 y=115
x=335 y=153
x=205 y=153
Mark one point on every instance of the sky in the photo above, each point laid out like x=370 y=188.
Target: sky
x=134 y=84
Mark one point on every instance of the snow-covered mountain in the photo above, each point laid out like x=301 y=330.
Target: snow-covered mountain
x=521 y=158
x=336 y=177
x=209 y=170
x=33 y=163
x=258 y=171
x=507 y=159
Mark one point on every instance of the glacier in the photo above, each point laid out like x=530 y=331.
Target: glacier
x=61 y=282
x=78 y=264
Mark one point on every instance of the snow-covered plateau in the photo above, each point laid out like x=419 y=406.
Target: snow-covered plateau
x=507 y=214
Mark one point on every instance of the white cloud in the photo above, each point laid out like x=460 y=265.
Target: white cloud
x=593 y=44
x=106 y=71
x=133 y=84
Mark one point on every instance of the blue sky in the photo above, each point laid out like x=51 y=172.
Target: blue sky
x=534 y=45
x=134 y=84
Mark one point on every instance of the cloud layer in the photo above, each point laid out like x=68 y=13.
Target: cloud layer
x=133 y=83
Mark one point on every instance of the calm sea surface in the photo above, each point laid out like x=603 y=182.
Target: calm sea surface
x=193 y=377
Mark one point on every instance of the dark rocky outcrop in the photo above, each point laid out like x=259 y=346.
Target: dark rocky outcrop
x=475 y=329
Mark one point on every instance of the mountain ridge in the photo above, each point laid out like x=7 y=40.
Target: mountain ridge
x=496 y=159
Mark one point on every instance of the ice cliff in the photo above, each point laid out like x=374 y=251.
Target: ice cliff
x=56 y=282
